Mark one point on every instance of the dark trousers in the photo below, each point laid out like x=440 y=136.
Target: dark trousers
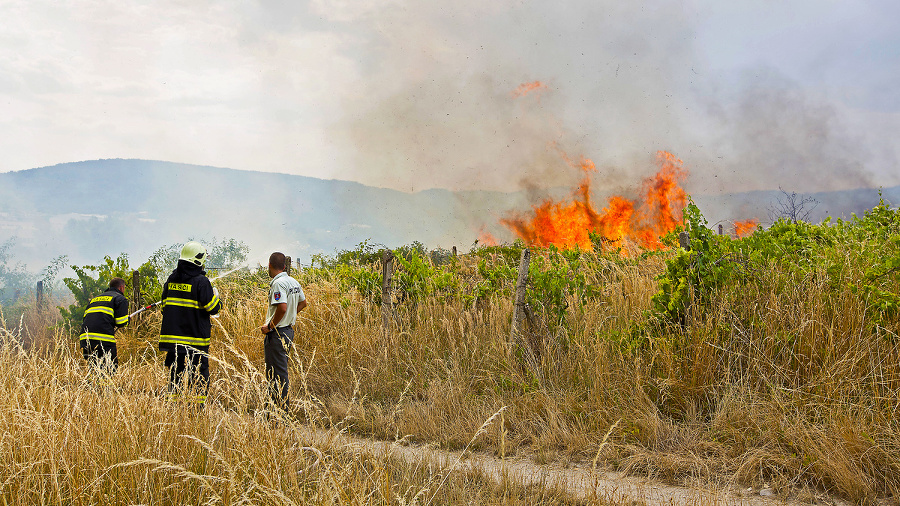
x=188 y=373
x=101 y=354
x=276 y=345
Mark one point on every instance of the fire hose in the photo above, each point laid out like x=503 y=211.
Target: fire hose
x=151 y=306
x=141 y=310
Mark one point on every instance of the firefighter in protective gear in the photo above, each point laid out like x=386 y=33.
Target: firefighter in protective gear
x=105 y=314
x=188 y=300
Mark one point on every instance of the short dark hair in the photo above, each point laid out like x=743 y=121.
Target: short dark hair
x=277 y=260
x=117 y=284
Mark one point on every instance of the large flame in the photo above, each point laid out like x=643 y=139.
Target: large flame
x=622 y=222
x=664 y=201
x=745 y=228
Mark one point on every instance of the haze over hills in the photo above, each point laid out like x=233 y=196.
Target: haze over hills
x=104 y=207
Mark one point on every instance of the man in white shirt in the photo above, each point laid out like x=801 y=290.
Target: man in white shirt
x=286 y=299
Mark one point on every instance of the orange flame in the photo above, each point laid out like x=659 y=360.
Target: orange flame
x=558 y=223
x=745 y=228
x=525 y=88
x=622 y=222
x=663 y=202
x=485 y=238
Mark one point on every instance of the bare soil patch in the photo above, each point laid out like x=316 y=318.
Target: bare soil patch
x=580 y=482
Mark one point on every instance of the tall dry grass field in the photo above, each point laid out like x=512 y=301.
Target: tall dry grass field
x=777 y=379
x=73 y=436
x=785 y=383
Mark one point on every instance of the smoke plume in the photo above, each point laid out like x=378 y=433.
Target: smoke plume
x=436 y=106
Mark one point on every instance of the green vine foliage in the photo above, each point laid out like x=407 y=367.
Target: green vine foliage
x=556 y=279
x=696 y=275
x=693 y=274
x=420 y=272
x=498 y=269
x=861 y=254
x=85 y=286
x=880 y=228
x=358 y=269
x=418 y=277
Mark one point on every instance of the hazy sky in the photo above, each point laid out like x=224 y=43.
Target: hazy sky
x=413 y=94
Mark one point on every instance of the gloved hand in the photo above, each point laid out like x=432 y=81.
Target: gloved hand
x=215 y=294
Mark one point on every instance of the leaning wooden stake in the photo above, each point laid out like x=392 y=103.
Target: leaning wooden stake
x=287 y=265
x=387 y=309
x=519 y=307
x=684 y=240
x=39 y=294
x=137 y=301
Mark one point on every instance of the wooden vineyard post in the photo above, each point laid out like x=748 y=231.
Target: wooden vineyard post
x=524 y=343
x=721 y=229
x=39 y=294
x=287 y=265
x=137 y=300
x=453 y=252
x=387 y=310
x=684 y=240
x=521 y=282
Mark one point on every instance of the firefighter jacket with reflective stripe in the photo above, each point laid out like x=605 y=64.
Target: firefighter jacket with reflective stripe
x=103 y=315
x=187 y=302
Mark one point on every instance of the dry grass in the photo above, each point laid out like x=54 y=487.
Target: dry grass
x=792 y=387
x=72 y=437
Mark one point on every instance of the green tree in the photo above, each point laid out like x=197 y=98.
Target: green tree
x=223 y=254
x=91 y=280
x=84 y=286
x=15 y=281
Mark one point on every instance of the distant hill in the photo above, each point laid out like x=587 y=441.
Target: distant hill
x=104 y=207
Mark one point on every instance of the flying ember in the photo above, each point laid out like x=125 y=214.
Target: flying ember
x=525 y=88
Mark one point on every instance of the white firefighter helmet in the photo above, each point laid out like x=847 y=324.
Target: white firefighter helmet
x=194 y=252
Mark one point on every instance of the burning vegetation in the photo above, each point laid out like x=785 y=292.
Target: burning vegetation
x=623 y=222
x=745 y=228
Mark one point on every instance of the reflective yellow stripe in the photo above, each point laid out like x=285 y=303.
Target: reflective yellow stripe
x=100 y=309
x=181 y=302
x=122 y=320
x=212 y=303
x=97 y=337
x=190 y=341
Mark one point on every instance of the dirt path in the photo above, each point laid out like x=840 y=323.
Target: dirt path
x=580 y=482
